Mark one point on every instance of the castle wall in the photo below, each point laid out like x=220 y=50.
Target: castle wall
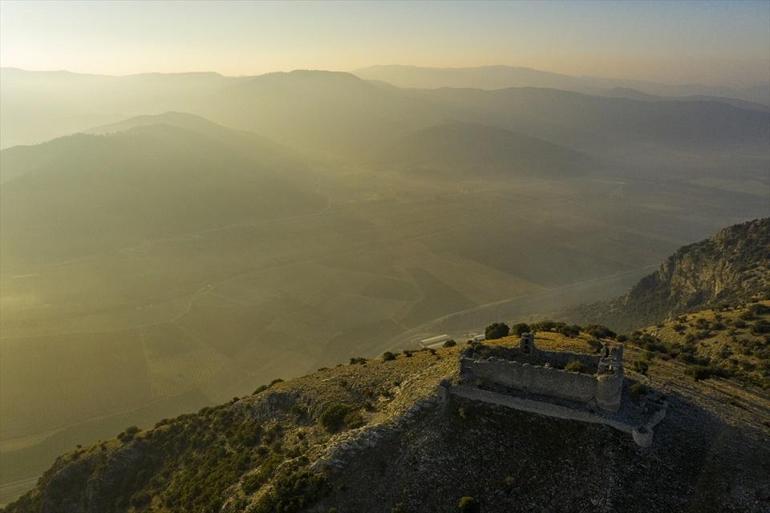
x=535 y=379
x=642 y=434
x=539 y=407
x=562 y=358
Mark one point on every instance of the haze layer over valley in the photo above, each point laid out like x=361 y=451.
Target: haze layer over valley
x=169 y=241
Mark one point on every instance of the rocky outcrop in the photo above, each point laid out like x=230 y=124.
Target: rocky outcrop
x=731 y=267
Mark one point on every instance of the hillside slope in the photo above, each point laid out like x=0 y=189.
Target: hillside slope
x=152 y=177
x=731 y=267
x=376 y=436
x=468 y=150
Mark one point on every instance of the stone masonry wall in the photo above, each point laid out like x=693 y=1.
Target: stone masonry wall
x=535 y=379
x=562 y=358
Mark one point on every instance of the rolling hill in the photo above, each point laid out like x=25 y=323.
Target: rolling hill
x=147 y=178
x=42 y=105
x=466 y=150
x=602 y=125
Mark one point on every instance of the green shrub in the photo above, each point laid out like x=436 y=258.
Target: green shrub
x=336 y=416
x=699 y=372
x=387 y=356
x=469 y=505
x=546 y=325
x=569 y=330
x=637 y=390
x=760 y=327
x=520 y=328
x=641 y=367
x=129 y=434
x=701 y=323
x=293 y=492
x=595 y=344
x=575 y=366
x=496 y=330
x=599 y=331
x=450 y=343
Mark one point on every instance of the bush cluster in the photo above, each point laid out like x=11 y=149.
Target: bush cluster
x=637 y=390
x=575 y=366
x=496 y=330
x=520 y=328
x=469 y=505
x=336 y=416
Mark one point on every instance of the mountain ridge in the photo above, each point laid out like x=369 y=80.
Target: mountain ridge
x=732 y=266
x=501 y=76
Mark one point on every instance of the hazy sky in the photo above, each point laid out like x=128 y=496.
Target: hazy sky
x=713 y=42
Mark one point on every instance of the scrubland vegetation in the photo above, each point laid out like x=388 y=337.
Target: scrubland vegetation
x=731 y=342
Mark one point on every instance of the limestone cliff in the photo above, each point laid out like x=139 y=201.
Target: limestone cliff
x=731 y=267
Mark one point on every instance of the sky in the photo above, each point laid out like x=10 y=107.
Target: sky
x=718 y=43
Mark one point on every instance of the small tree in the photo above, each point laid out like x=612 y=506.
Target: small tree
x=388 y=356
x=641 y=367
x=336 y=416
x=599 y=331
x=450 y=343
x=595 y=344
x=469 y=505
x=520 y=328
x=637 y=390
x=496 y=330
x=128 y=434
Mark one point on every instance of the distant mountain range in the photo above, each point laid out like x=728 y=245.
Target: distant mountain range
x=338 y=114
x=500 y=77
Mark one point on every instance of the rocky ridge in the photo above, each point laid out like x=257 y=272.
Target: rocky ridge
x=731 y=267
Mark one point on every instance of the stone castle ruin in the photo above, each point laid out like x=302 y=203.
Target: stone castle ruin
x=543 y=373
x=562 y=384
